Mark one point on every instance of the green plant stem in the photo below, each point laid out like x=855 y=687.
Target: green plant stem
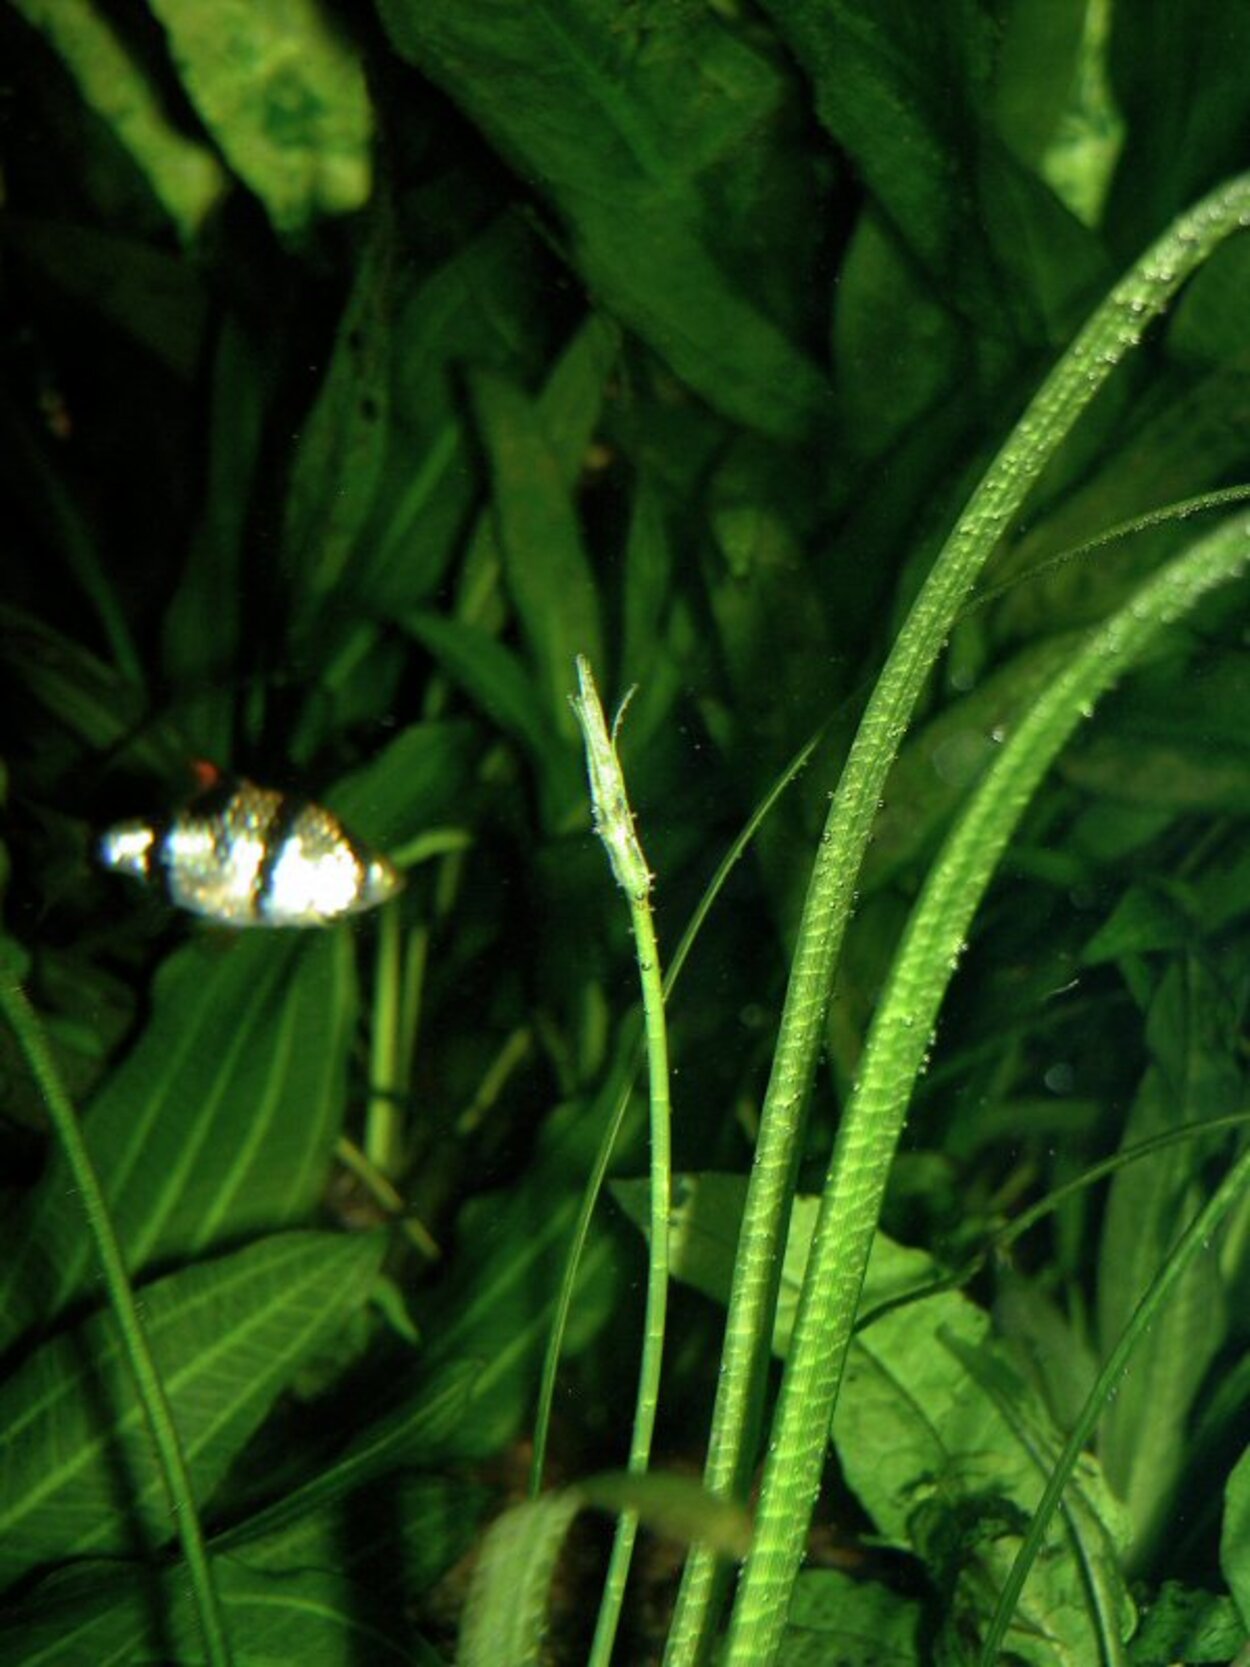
x=620 y=1105
x=614 y=823
x=1114 y=329
x=898 y=1044
x=383 y=1192
x=383 y=1127
x=1197 y=1237
x=151 y=1391
x=657 y=1271
x=412 y=988
x=515 y=1050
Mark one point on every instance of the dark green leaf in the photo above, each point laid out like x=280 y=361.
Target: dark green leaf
x=492 y=677
x=407 y=1530
x=219 y=1124
x=338 y=464
x=1142 y=922
x=422 y=1428
x=545 y=566
x=857 y=1623
x=1181 y=1624
x=148 y=292
x=1190 y=1025
x=653 y=141
x=119 y=1613
x=908 y=94
x=227 y=1336
x=484 y=306
x=416 y=781
x=1174 y=73
x=203 y=629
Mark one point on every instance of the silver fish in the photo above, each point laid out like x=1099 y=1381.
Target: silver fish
x=244 y=855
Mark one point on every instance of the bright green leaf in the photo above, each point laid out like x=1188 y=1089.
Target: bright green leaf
x=184 y=174
x=282 y=90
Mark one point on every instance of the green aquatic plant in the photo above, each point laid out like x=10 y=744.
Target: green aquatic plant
x=882 y=1262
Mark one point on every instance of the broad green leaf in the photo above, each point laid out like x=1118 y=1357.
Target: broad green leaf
x=79 y=1467
x=571 y=400
x=545 y=567
x=675 y=1506
x=1037 y=65
x=202 y=664
x=1174 y=67
x=93 y=708
x=184 y=174
x=496 y=1306
x=407 y=1531
x=569 y=406
x=1081 y=150
x=704 y=1223
x=120 y=1615
x=1184 y=1624
x=912 y=105
x=936 y=1463
x=662 y=146
x=1191 y=1028
x=897 y=349
x=492 y=676
x=767 y=604
x=476 y=1382
x=857 y=1623
x=148 y=292
x=1176 y=742
x=418 y=779
x=1221 y=891
x=486 y=305
x=338 y=462
x=219 y=1124
x=505 y=1613
x=1235 y=1539
x=648 y=664
x=421 y=1429
x=1212 y=322
x=282 y=90
x=1162 y=776
x=1147 y=919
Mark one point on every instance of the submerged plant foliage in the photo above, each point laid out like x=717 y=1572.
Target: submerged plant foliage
x=865 y=387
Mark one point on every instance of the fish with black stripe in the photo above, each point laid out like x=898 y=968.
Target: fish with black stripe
x=243 y=855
